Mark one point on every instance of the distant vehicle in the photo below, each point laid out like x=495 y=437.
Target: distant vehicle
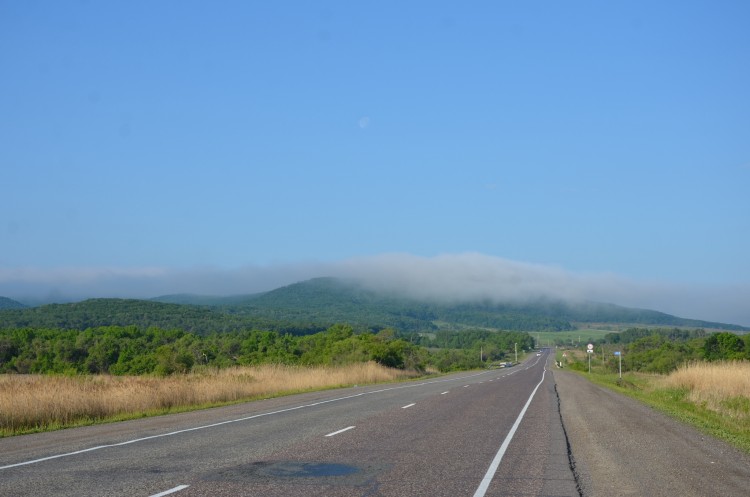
x=538 y=354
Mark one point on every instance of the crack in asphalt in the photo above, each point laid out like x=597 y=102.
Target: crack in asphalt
x=571 y=459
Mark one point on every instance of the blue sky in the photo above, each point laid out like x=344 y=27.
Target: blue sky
x=258 y=143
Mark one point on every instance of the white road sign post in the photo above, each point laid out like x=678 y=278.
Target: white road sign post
x=619 y=355
x=590 y=350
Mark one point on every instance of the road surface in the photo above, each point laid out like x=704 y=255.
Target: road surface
x=521 y=431
x=495 y=432
x=621 y=447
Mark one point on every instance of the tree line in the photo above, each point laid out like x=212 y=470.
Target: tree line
x=134 y=350
x=664 y=350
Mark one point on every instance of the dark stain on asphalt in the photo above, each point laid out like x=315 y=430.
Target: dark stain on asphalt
x=308 y=469
x=299 y=472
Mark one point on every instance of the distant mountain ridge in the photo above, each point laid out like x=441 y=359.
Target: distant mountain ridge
x=100 y=312
x=316 y=304
x=338 y=300
x=6 y=303
x=202 y=300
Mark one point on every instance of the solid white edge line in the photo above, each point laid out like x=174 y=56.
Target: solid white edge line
x=171 y=490
x=484 y=485
x=213 y=425
x=409 y=405
x=340 y=431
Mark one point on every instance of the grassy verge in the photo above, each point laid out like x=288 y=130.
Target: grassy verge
x=33 y=403
x=713 y=397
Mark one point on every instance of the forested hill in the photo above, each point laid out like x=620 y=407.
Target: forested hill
x=105 y=312
x=316 y=304
x=142 y=313
x=329 y=300
x=332 y=300
x=596 y=312
x=6 y=303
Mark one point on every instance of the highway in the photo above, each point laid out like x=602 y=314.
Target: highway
x=494 y=433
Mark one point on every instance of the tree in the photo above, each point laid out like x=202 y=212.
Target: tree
x=723 y=346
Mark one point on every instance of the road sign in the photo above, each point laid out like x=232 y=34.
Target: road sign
x=590 y=351
x=590 y=346
x=617 y=352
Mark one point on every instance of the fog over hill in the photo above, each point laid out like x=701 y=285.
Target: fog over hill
x=316 y=304
x=6 y=303
x=454 y=277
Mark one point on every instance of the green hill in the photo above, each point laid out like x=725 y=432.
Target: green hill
x=201 y=300
x=330 y=301
x=596 y=312
x=105 y=312
x=6 y=303
x=316 y=304
x=337 y=300
x=94 y=313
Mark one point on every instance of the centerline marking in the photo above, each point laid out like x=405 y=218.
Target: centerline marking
x=444 y=392
x=484 y=485
x=171 y=491
x=340 y=431
x=409 y=405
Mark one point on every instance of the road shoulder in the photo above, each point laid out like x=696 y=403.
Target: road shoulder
x=621 y=447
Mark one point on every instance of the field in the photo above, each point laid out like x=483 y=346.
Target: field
x=30 y=403
x=723 y=387
x=569 y=338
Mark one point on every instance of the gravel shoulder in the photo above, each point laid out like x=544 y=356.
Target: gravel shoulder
x=621 y=447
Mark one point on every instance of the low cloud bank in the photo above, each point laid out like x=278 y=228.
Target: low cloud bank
x=446 y=277
x=462 y=277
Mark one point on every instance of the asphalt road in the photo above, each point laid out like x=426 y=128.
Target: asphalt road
x=621 y=447
x=496 y=432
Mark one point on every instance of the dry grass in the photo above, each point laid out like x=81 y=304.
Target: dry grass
x=37 y=402
x=723 y=387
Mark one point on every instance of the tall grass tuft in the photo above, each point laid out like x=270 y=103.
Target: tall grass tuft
x=38 y=402
x=723 y=387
